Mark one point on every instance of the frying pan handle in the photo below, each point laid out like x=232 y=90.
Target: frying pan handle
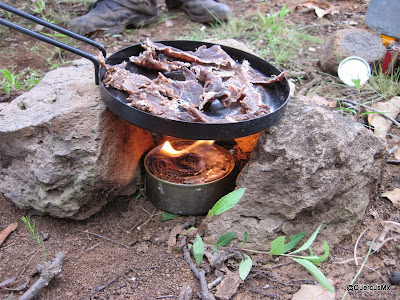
x=51 y=41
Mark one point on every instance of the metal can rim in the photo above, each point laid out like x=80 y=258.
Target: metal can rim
x=364 y=76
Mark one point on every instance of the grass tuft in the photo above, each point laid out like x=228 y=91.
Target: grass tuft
x=276 y=39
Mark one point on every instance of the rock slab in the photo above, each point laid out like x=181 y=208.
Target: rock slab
x=62 y=152
x=315 y=165
x=350 y=42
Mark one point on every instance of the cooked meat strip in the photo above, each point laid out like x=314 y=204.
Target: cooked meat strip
x=189 y=75
x=262 y=111
x=199 y=116
x=257 y=78
x=149 y=102
x=157 y=104
x=122 y=79
x=213 y=85
x=188 y=91
x=214 y=55
x=148 y=59
x=171 y=51
x=246 y=93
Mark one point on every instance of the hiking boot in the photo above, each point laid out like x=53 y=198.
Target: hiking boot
x=202 y=11
x=112 y=16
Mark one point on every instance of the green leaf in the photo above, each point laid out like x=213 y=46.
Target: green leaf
x=168 y=216
x=277 y=246
x=245 y=235
x=225 y=239
x=198 y=249
x=226 y=202
x=314 y=271
x=293 y=241
x=322 y=258
x=245 y=266
x=7 y=74
x=308 y=243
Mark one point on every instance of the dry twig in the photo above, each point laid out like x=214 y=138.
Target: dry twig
x=103 y=237
x=47 y=271
x=199 y=274
x=356 y=245
x=355 y=104
x=151 y=215
x=316 y=79
x=376 y=272
x=100 y=288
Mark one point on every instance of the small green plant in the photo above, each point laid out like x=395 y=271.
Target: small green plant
x=278 y=246
x=385 y=86
x=11 y=81
x=38 y=7
x=53 y=55
x=32 y=78
x=357 y=84
x=34 y=234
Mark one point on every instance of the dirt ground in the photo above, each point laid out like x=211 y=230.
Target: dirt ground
x=122 y=253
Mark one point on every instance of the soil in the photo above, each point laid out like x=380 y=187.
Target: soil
x=122 y=252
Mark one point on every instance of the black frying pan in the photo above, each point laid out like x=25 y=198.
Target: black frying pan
x=276 y=95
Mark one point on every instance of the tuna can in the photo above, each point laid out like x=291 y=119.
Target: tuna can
x=353 y=68
x=188 y=199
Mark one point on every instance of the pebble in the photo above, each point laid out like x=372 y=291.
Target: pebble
x=394 y=278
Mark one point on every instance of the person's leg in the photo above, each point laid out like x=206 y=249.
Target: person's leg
x=202 y=11
x=112 y=16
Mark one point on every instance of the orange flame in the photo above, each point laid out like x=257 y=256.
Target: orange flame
x=167 y=148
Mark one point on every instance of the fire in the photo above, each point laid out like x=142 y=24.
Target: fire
x=168 y=150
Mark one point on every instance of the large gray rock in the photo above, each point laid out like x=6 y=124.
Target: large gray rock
x=62 y=152
x=314 y=165
x=350 y=42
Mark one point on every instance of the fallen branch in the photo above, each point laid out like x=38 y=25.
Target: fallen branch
x=186 y=293
x=225 y=255
x=199 y=274
x=47 y=271
x=100 y=288
x=103 y=237
x=354 y=104
x=316 y=79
